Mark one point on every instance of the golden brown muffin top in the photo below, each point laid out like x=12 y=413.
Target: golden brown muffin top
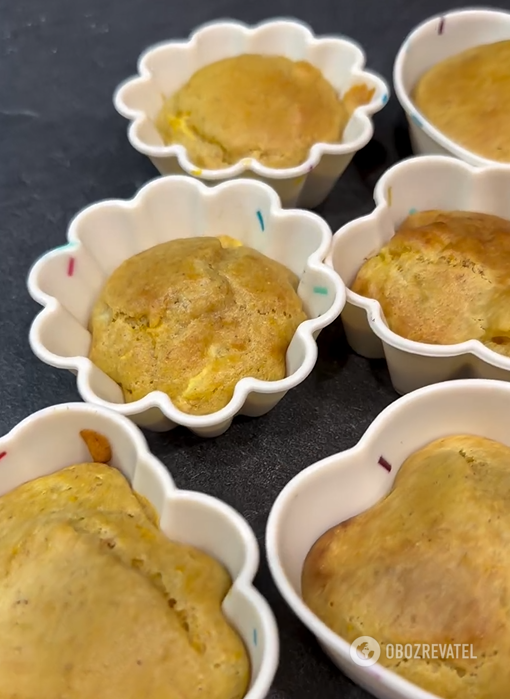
x=429 y=564
x=96 y=602
x=191 y=318
x=269 y=108
x=444 y=278
x=467 y=98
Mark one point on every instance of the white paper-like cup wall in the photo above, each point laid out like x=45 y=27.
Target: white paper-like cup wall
x=165 y=68
x=49 y=440
x=68 y=280
x=430 y=43
x=346 y=484
x=421 y=183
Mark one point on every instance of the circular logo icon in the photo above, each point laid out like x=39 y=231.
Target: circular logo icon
x=365 y=651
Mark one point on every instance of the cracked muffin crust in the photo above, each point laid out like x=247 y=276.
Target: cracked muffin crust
x=444 y=278
x=95 y=601
x=191 y=318
x=251 y=106
x=428 y=564
x=467 y=97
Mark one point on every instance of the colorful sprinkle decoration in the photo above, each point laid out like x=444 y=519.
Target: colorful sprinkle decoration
x=320 y=290
x=440 y=28
x=197 y=172
x=70 y=267
x=412 y=211
x=390 y=196
x=384 y=98
x=2 y=454
x=68 y=246
x=416 y=120
x=255 y=639
x=261 y=220
x=382 y=462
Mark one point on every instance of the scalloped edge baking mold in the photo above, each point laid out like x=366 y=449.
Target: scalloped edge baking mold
x=433 y=41
x=346 y=484
x=67 y=281
x=166 y=67
x=49 y=440
x=419 y=183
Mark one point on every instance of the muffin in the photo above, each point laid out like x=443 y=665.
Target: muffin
x=467 y=98
x=429 y=564
x=96 y=602
x=269 y=108
x=191 y=317
x=444 y=278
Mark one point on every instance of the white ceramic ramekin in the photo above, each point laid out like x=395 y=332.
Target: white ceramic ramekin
x=344 y=485
x=421 y=183
x=67 y=281
x=164 y=68
x=434 y=41
x=49 y=440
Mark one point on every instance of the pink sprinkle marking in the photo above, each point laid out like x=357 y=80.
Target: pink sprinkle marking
x=382 y=462
x=2 y=454
x=70 y=267
x=440 y=28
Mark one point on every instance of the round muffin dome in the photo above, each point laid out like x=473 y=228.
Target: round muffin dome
x=264 y=107
x=191 y=317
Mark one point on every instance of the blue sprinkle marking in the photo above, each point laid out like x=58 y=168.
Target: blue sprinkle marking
x=416 y=120
x=69 y=246
x=412 y=211
x=261 y=220
x=254 y=637
x=384 y=98
x=320 y=290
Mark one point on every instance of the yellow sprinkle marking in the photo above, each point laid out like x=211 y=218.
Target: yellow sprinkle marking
x=390 y=196
x=196 y=173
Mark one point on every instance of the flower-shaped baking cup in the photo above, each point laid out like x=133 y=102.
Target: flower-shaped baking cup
x=344 y=485
x=434 y=41
x=49 y=440
x=417 y=184
x=165 y=68
x=67 y=281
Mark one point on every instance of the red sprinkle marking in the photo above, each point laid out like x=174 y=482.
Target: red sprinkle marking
x=2 y=454
x=70 y=267
x=440 y=28
x=382 y=461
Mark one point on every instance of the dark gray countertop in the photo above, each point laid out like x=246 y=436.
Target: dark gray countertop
x=62 y=146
